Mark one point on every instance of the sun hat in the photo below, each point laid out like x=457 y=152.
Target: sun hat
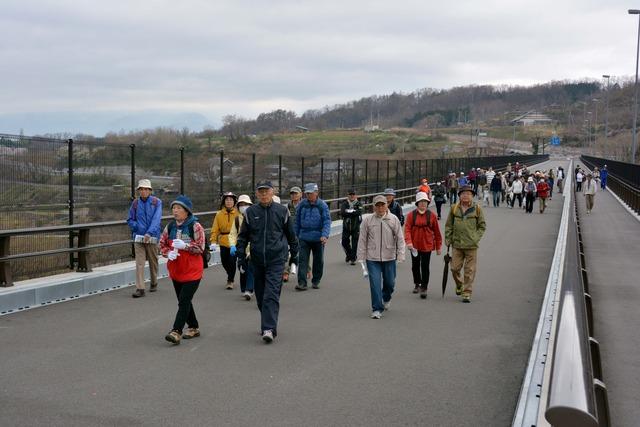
x=466 y=188
x=244 y=199
x=144 y=183
x=422 y=196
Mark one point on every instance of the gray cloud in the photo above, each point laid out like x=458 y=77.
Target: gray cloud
x=246 y=57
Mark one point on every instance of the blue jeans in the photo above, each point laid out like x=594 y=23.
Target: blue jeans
x=496 y=198
x=382 y=279
x=246 y=279
x=305 y=249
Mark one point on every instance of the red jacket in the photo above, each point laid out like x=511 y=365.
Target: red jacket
x=423 y=238
x=543 y=190
x=188 y=266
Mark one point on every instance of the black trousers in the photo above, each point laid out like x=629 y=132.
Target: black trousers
x=439 y=208
x=420 y=269
x=578 y=186
x=529 y=202
x=350 y=243
x=185 y=292
x=228 y=262
x=267 y=282
x=519 y=198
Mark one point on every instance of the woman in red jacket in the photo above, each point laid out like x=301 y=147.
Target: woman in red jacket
x=182 y=241
x=422 y=236
x=543 y=192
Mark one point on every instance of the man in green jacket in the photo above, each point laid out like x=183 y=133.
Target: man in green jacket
x=463 y=230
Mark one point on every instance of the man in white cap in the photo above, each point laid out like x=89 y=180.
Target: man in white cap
x=380 y=246
x=144 y=219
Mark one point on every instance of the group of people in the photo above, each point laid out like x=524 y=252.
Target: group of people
x=267 y=242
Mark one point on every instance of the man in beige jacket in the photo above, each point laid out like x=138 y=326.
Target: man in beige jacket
x=380 y=245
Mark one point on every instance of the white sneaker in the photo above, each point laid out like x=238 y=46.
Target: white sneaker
x=376 y=315
x=387 y=305
x=267 y=336
x=247 y=295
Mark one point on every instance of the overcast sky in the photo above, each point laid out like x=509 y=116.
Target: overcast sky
x=218 y=57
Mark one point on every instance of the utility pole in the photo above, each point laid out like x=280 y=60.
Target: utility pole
x=606 y=111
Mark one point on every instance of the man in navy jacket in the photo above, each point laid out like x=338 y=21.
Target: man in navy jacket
x=312 y=226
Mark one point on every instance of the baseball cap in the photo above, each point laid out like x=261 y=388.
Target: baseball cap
x=379 y=199
x=295 y=189
x=311 y=187
x=264 y=184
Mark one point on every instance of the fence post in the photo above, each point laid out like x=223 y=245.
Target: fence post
x=377 y=175
x=388 y=162
x=221 y=172
x=5 y=266
x=182 y=170
x=404 y=172
x=70 y=201
x=353 y=173
x=397 y=173
x=366 y=176
x=338 y=193
x=133 y=170
x=279 y=171
x=302 y=171
x=321 y=176
x=253 y=172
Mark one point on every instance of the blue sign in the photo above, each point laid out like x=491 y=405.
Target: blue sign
x=555 y=140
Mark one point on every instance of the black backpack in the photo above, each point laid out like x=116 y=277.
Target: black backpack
x=206 y=254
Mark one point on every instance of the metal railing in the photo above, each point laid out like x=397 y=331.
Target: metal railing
x=623 y=179
x=577 y=394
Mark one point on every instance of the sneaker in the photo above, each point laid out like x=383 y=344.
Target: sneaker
x=138 y=293
x=466 y=299
x=459 y=289
x=352 y=262
x=247 y=295
x=267 y=336
x=315 y=285
x=153 y=287
x=301 y=287
x=376 y=315
x=387 y=305
x=423 y=293
x=173 y=337
x=191 y=333
x=285 y=277
x=229 y=285
x=416 y=289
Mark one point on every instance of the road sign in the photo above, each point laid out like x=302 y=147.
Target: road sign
x=555 y=140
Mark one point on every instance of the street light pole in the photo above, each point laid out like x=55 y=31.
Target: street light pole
x=606 y=113
x=635 y=99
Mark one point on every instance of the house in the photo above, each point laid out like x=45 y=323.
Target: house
x=532 y=118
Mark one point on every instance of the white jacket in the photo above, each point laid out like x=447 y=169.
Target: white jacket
x=517 y=186
x=381 y=238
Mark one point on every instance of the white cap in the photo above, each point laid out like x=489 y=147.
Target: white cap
x=422 y=196
x=144 y=183
x=245 y=199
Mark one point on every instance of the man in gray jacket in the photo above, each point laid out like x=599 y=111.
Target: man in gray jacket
x=380 y=245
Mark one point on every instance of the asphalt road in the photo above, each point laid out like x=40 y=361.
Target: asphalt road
x=103 y=360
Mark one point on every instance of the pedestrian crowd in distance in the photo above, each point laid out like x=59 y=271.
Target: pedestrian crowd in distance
x=267 y=243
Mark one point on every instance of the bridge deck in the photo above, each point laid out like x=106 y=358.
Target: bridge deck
x=611 y=241
x=103 y=360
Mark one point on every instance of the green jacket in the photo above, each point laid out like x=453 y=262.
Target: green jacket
x=464 y=231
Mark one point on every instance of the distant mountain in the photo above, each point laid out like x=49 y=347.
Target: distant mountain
x=98 y=123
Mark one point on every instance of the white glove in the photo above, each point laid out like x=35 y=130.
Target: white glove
x=173 y=255
x=294 y=269
x=178 y=244
x=350 y=210
x=365 y=273
x=213 y=247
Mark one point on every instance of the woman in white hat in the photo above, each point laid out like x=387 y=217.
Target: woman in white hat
x=422 y=236
x=246 y=277
x=530 y=190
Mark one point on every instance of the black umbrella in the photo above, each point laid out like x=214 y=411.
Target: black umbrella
x=445 y=273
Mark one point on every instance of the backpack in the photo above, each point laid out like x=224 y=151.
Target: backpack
x=206 y=254
x=414 y=217
x=476 y=212
x=154 y=202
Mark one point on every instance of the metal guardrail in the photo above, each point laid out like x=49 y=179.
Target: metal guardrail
x=628 y=190
x=577 y=393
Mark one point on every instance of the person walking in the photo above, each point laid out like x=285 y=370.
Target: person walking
x=246 y=277
x=604 y=174
x=452 y=185
x=351 y=213
x=422 y=236
x=439 y=196
x=560 y=179
x=490 y=174
x=496 y=189
x=481 y=183
x=542 y=190
x=464 y=228
x=579 y=179
x=380 y=246
x=182 y=242
x=268 y=229
x=590 y=188
x=394 y=206
x=530 y=189
x=424 y=186
x=295 y=197
x=220 y=230
x=551 y=181
x=145 y=215
x=312 y=227
x=517 y=188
